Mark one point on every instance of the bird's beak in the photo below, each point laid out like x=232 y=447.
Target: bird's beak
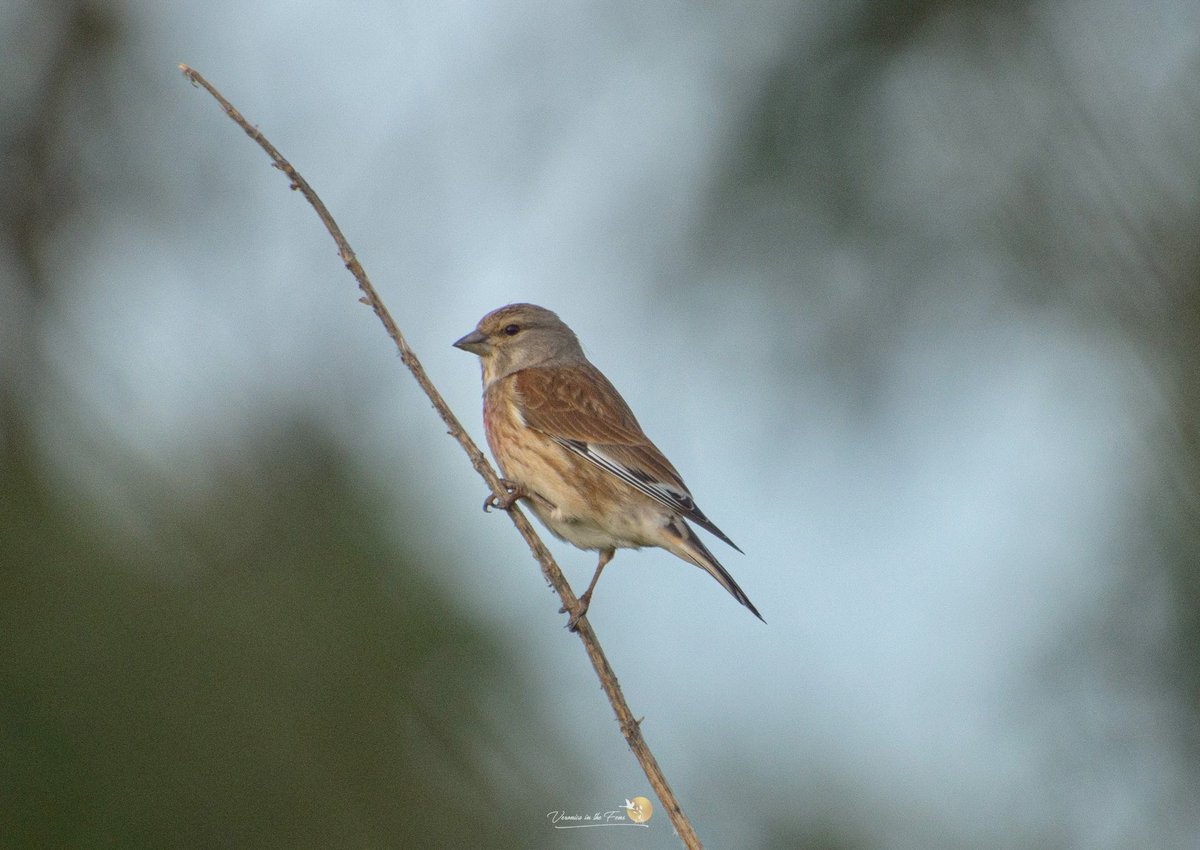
x=474 y=342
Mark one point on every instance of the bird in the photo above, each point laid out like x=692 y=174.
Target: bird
x=569 y=446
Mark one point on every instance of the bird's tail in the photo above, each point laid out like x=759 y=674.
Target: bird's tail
x=683 y=542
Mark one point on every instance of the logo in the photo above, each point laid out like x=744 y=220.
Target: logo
x=639 y=809
x=635 y=812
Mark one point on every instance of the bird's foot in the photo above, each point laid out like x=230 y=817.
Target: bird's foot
x=573 y=623
x=505 y=502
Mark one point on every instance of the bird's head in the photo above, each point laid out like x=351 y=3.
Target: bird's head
x=520 y=336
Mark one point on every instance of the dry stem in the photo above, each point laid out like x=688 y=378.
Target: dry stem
x=608 y=680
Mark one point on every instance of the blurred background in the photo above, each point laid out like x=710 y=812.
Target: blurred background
x=909 y=291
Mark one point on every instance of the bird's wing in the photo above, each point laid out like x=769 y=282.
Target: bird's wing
x=579 y=409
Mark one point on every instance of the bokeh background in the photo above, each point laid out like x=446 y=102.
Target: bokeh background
x=909 y=291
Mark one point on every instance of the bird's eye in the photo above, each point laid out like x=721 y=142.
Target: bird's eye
x=511 y=330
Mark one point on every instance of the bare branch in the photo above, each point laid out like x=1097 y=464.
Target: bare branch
x=630 y=727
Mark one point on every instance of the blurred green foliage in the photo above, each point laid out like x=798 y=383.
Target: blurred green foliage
x=261 y=671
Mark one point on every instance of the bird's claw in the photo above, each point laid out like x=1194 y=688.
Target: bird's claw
x=505 y=502
x=573 y=622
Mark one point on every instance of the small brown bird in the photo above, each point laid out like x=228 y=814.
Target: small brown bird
x=570 y=446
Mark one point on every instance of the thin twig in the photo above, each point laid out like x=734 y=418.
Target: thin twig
x=630 y=727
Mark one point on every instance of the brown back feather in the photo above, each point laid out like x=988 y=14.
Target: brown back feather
x=577 y=402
